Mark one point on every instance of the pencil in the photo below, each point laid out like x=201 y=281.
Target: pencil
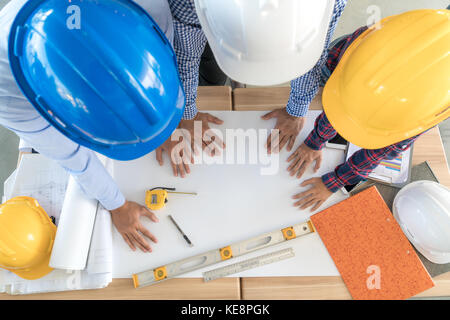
x=181 y=231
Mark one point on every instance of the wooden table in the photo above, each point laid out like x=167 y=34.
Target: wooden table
x=427 y=148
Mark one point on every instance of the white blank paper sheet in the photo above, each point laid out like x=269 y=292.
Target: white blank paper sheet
x=235 y=202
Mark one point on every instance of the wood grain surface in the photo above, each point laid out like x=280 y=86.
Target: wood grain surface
x=123 y=289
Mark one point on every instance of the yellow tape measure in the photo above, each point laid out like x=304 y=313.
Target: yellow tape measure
x=156 y=198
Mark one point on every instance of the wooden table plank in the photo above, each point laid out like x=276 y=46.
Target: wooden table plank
x=248 y=99
x=428 y=147
x=122 y=289
x=317 y=288
x=294 y=288
x=209 y=98
x=214 y=98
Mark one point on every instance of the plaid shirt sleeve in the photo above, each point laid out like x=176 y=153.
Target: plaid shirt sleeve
x=335 y=54
x=360 y=165
x=189 y=44
x=305 y=88
x=322 y=132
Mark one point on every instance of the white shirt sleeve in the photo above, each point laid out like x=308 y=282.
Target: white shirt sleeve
x=18 y=115
x=159 y=10
x=80 y=162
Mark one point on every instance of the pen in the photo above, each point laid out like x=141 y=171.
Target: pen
x=181 y=231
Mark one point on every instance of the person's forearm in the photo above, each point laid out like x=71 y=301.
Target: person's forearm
x=189 y=43
x=323 y=131
x=359 y=166
x=305 y=87
x=97 y=183
x=343 y=175
x=303 y=91
x=80 y=162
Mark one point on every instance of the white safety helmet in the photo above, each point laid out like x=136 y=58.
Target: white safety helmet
x=422 y=209
x=265 y=42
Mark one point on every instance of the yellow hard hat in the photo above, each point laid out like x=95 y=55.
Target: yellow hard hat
x=26 y=238
x=393 y=82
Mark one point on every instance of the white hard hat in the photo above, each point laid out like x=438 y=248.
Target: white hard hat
x=265 y=42
x=422 y=209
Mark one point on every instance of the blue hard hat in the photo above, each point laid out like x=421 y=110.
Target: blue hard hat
x=110 y=83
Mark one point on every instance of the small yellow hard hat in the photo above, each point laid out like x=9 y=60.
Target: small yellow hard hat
x=26 y=238
x=393 y=82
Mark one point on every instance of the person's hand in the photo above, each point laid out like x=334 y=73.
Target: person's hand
x=126 y=220
x=179 y=151
x=289 y=127
x=302 y=158
x=186 y=141
x=315 y=196
x=203 y=138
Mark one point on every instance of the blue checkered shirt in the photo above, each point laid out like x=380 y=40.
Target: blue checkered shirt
x=190 y=42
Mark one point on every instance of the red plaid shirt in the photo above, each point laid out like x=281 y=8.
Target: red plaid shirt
x=359 y=165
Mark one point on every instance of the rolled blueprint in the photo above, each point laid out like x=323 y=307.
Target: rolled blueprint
x=101 y=251
x=74 y=233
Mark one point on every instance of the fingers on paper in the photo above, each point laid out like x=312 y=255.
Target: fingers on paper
x=147 y=213
x=282 y=142
x=308 y=182
x=273 y=141
x=159 y=156
x=148 y=234
x=128 y=241
x=291 y=143
x=269 y=115
x=318 y=204
x=318 y=164
x=214 y=119
x=302 y=169
x=140 y=241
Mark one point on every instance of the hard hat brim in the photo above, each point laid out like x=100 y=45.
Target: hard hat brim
x=126 y=125
x=41 y=268
x=128 y=152
x=265 y=73
x=365 y=114
x=37 y=272
x=336 y=111
x=426 y=225
x=341 y=120
x=265 y=44
x=350 y=130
